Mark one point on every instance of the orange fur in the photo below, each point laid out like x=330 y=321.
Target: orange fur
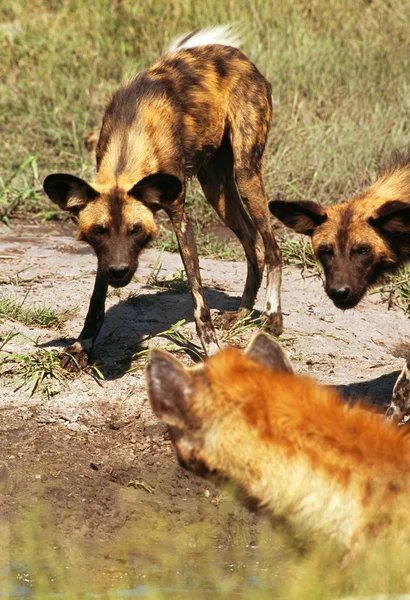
x=297 y=447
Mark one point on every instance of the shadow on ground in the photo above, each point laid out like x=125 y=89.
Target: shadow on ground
x=130 y=323
x=377 y=391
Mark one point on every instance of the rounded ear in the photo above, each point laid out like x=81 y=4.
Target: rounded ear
x=265 y=351
x=170 y=388
x=392 y=217
x=69 y=192
x=158 y=188
x=303 y=215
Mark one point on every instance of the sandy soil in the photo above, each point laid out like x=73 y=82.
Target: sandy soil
x=92 y=442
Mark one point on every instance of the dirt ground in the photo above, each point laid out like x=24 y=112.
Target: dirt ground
x=91 y=443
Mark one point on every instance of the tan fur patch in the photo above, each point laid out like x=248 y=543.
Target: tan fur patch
x=94 y=213
x=297 y=447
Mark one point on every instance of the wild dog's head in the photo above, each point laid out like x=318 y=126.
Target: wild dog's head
x=118 y=224
x=356 y=242
x=202 y=404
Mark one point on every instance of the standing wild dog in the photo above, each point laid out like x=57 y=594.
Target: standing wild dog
x=202 y=110
x=290 y=444
x=359 y=241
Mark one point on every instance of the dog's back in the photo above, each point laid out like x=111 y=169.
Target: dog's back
x=173 y=116
x=293 y=445
x=203 y=109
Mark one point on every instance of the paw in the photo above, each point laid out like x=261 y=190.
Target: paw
x=74 y=358
x=273 y=323
x=399 y=409
x=228 y=319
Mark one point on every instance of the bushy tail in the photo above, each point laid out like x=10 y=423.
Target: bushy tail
x=222 y=34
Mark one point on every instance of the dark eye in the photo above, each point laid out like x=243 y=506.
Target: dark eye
x=100 y=230
x=325 y=251
x=136 y=229
x=362 y=250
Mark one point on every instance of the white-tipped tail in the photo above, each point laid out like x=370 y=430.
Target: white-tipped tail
x=222 y=34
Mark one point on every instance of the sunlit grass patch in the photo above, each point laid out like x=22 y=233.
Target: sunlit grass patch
x=39 y=371
x=45 y=316
x=331 y=65
x=21 y=192
x=209 y=245
x=297 y=251
x=175 y=282
x=396 y=289
x=179 y=339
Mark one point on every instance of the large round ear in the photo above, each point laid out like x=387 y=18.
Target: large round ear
x=392 y=217
x=303 y=215
x=170 y=389
x=69 y=192
x=265 y=351
x=158 y=188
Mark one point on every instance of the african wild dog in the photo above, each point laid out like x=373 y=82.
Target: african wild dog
x=359 y=241
x=202 y=110
x=293 y=446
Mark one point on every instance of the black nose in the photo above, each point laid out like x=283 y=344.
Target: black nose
x=339 y=294
x=118 y=273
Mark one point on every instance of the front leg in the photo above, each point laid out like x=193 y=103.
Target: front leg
x=399 y=409
x=187 y=246
x=75 y=357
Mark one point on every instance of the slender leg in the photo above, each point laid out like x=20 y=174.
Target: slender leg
x=399 y=409
x=186 y=240
x=219 y=186
x=80 y=350
x=253 y=194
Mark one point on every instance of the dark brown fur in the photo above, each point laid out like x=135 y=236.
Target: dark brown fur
x=202 y=111
x=357 y=241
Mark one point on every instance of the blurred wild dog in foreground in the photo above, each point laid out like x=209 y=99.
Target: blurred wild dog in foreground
x=202 y=110
x=290 y=444
x=359 y=241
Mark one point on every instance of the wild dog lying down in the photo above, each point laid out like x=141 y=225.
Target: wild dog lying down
x=291 y=444
x=203 y=109
x=359 y=241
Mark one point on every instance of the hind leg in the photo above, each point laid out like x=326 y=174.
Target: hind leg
x=399 y=409
x=253 y=194
x=219 y=186
x=250 y=123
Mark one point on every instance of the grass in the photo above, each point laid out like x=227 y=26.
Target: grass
x=45 y=316
x=340 y=74
x=297 y=251
x=208 y=244
x=33 y=372
x=154 y=565
x=176 y=282
x=180 y=341
x=396 y=289
x=36 y=372
x=21 y=191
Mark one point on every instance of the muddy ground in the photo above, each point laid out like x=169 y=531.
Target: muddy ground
x=92 y=452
